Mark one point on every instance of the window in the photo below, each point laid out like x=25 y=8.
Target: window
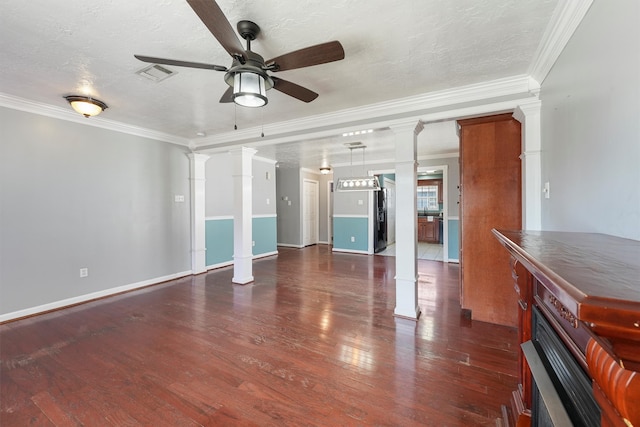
x=428 y=198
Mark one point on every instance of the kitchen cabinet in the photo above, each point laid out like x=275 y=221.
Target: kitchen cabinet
x=490 y=197
x=428 y=231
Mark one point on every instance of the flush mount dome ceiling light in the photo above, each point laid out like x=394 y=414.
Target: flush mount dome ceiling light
x=325 y=170
x=86 y=105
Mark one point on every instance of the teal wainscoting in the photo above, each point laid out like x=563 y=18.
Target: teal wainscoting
x=265 y=235
x=219 y=241
x=454 y=240
x=346 y=227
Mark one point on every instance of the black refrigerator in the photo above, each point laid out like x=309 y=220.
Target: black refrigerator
x=379 y=220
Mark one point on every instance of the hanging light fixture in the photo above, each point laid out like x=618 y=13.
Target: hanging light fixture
x=249 y=89
x=325 y=170
x=86 y=105
x=247 y=75
x=358 y=183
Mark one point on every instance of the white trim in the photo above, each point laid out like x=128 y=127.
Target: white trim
x=457 y=218
x=219 y=265
x=326 y=124
x=89 y=297
x=264 y=255
x=69 y=115
x=456 y=260
x=350 y=251
x=351 y=216
x=565 y=20
x=316 y=208
x=287 y=245
x=322 y=242
x=265 y=160
x=221 y=217
x=445 y=206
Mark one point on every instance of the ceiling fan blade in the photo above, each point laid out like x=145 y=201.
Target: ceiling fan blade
x=312 y=55
x=294 y=90
x=213 y=17
x=227 y=96
x=164 y=61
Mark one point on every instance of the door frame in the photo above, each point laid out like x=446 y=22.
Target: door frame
x=316 y=208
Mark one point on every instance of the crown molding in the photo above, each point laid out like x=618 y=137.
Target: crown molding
x=565 y=20
x=21 y=104
x=390 y=111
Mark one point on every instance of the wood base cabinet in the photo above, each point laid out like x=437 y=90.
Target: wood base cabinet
x=579 y=328
x=490 y=197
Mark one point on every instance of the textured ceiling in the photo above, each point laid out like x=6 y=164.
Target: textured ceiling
x=393 y=49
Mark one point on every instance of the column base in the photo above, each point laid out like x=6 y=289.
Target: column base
x=242 y=269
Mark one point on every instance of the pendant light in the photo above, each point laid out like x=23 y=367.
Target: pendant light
x=358 y=183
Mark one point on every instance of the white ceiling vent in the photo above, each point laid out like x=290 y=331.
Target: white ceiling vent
x=156 y=72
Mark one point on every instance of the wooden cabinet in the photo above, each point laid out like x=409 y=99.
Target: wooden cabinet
x=583 y=292
x=428 y=231
x=490 y=197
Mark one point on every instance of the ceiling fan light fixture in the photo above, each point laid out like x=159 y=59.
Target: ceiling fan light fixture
x=86 y=105
x=249 y=89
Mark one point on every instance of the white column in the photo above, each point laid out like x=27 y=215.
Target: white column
x=406 y=220
x=529 y=117
x=242 y=215
x=198 y=197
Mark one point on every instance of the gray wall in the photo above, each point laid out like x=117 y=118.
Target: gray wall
x=219 y=186
x=75 y=196
x=591 y=126
x=347 y=202
x=264 y=189
x=288 y=185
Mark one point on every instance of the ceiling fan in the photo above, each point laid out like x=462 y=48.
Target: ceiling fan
x=248 y=77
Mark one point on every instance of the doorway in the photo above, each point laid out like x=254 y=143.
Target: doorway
x=310 y=206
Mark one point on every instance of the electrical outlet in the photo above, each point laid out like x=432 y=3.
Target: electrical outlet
x=178 y=198
x=253 y=243
x=84 y=272
x=353 y=239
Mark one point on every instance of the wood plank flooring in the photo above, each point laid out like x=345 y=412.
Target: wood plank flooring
x=313 y=342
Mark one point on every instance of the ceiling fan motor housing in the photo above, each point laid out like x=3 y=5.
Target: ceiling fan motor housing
x=254 y=63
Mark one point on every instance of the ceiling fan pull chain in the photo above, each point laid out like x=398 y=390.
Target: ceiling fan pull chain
x=262 y=132
x=235 y=116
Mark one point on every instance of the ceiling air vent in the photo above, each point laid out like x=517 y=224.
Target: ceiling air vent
x=156 y=72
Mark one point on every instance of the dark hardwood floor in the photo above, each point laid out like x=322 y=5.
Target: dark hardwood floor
x=313 y=342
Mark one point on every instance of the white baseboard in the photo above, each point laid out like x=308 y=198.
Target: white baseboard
x=350 y=251
x=88 y=297
x=286 y=245
x=264 y=255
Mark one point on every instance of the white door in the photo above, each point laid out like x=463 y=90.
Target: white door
x=310 y=208
x=391 y=210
